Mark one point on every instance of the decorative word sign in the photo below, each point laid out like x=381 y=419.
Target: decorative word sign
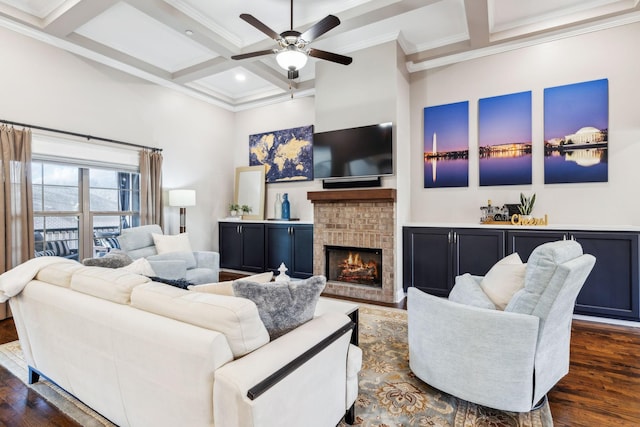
x=522 y=220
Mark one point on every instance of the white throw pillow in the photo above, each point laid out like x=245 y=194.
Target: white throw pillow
x=504 y=279
x=140 y=266
x=226 y=288
x=167 y=243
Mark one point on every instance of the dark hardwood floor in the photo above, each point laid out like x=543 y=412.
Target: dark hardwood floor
x=602 y=388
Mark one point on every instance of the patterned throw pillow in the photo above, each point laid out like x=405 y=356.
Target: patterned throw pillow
x=283 y=306
x=60 y=247
x=178 y=283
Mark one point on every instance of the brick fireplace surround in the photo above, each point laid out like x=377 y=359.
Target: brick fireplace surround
x=356 y=218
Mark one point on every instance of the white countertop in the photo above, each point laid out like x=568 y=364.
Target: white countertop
x=550 y=227
x=264 y=221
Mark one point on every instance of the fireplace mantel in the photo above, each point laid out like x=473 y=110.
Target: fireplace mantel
x=376 y=195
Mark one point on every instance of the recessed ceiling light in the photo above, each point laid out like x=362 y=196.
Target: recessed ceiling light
x=241 y=77
x=188 y=32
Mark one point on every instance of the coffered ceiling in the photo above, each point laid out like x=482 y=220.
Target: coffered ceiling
x=187 y=44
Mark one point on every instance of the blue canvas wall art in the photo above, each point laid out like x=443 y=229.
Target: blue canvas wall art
x=446 y=145
x=287 y=154
x=576 y=132
x=504 y=139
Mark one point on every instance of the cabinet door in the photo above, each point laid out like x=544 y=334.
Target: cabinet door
x=252 y=247
x=302 y=265
x=230 y=245
x=476 y=251
x=428 y=259
x=611 y=289
x=279 y=246
x=525 y=241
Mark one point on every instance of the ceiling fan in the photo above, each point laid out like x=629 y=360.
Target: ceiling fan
x=292 y=52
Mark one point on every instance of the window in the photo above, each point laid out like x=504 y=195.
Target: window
x=78 y=211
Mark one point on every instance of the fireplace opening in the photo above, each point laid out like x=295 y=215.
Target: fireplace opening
x=362 y=266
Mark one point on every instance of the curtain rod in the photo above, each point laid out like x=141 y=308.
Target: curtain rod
x=88 y=137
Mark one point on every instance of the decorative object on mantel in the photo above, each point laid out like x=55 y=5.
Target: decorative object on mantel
x=526 y=204
x=277 y=207
x=512 y=214
x=282 y=276
x=233 y=209
x=286 y=207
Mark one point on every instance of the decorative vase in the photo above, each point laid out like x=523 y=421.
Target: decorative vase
x=277 y=207
x=283 y=276
x=286 y=213
x=233 y=213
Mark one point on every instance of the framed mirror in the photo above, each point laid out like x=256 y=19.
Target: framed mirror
x=250 y=190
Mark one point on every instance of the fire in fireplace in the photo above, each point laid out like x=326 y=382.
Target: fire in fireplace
x=361 y=266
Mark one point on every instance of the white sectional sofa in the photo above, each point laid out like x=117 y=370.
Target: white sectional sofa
x=144 y=354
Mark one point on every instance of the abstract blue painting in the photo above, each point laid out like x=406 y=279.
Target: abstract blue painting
x=287 y=154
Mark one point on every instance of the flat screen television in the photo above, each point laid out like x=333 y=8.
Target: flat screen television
x=353 y=153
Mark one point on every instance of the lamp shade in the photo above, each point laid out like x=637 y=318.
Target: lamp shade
x=182 y=198
x=291 y=59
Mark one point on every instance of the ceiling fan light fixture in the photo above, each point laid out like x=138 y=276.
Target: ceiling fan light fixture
x=291 y=58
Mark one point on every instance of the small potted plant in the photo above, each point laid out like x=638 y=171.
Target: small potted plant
x=233 y=209
x=245 y=209
x=526 y=205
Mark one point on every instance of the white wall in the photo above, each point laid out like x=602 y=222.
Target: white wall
x=46 y=86
x=603 y=54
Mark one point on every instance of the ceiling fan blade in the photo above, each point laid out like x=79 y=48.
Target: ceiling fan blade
x=259 y=25
x=320 y=27
x=253 y=54
x=329 y=56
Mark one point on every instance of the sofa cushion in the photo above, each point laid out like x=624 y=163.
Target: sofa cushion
x=236 y=318
x=58 y=274
x=503 y=280
x=226 y=288
x=283 y=306
x=107 y=283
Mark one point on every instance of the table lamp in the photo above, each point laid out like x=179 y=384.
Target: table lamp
x=182 y=199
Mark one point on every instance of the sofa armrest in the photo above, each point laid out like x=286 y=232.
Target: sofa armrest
x=449 y=342
x=168 y=269
x=319 y=383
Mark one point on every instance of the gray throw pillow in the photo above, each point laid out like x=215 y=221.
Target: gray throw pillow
x=283 y=306
x=114 y=259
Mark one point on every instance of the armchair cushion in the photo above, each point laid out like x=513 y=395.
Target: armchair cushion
x=167 y=243
x=187 y=257
x=282 y=306
x=467 y=291
x=503 y=280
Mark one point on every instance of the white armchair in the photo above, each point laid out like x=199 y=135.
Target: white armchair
x=507 y=360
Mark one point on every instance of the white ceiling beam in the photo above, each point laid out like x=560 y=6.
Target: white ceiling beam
x=477 y=12
x=71 y=15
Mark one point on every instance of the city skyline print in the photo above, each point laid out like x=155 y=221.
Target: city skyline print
x=446 y=145
x=504 y=139
x=576 y=132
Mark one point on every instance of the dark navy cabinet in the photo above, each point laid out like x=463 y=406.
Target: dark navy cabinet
x=291 y=244
x=242 y=246
x=433 y=257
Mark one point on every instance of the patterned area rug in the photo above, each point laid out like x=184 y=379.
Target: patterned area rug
x=390 y=395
